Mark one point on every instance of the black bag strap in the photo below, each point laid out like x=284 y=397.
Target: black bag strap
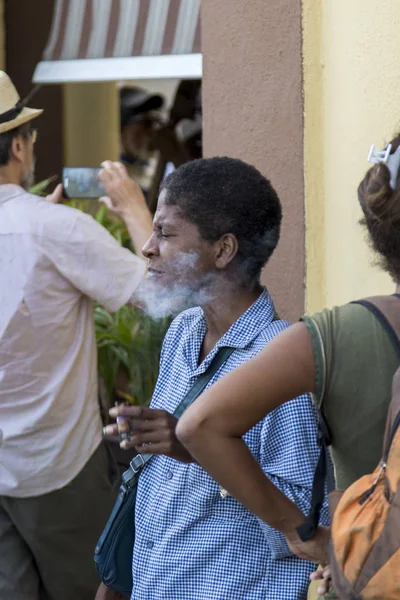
x=323 y=472
x=198 y=387
x=138 y=461
x=387 y=310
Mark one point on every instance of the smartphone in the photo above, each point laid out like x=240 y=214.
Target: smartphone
x=82 y=182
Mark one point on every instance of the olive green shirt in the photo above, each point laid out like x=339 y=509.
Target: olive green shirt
x=355 y=363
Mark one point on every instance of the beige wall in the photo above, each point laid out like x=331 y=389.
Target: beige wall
x=91 y=123
x=352 y=99
x=253 y=109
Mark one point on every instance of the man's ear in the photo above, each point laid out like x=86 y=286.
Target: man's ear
x=18 y=149
x=226 y=249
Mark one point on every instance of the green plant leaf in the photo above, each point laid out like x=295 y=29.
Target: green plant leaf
x=129 y=342
x=41 y=188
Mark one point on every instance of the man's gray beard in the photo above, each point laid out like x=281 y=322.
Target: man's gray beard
x=28 y=178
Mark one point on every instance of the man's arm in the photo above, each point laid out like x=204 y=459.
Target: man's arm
x=110 y=274
x=93 y=261
x=125 y=199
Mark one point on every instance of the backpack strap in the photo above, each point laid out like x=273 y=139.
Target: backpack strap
x=323 y=473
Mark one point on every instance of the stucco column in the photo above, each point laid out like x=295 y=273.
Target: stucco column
x=91 y=123
x=253 y=109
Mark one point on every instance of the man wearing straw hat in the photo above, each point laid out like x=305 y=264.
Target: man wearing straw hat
x=55 y=495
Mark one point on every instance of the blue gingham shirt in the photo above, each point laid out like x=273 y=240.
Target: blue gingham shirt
x=192 y=544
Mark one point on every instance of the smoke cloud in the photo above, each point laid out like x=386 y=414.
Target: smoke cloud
x=160 y=300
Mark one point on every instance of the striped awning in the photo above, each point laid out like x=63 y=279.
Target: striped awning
x=103 y=40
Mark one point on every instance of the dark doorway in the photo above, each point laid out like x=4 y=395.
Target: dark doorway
x=27 y=27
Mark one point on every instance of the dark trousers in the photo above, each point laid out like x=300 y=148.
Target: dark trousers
x=47 y=542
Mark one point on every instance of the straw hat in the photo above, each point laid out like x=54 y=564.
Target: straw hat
x=13 y=112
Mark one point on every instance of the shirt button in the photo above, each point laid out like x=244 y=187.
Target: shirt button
x=169 y=475
x=150 y=545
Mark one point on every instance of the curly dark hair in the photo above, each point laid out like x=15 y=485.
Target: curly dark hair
x=381 y=208
x=226 y=195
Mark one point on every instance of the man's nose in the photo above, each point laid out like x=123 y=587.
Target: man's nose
x=150 y=248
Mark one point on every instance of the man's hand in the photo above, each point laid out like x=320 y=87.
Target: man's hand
x=124 y=195
x=315 y=549
x=125 y=199
x=56 y=197
x=152 y=430
x=325 y=575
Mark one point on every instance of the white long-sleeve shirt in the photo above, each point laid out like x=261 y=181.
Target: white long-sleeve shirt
x=54 y=261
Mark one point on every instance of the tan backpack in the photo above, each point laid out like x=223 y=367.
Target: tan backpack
x=365 y=543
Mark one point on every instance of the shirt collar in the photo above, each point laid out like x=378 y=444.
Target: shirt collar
x=241 y=333
x=249 y=325
x=9 y=191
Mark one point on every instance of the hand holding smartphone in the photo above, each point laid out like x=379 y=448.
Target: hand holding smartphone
x=82 y=182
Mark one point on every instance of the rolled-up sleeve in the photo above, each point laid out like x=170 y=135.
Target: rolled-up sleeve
x=92 y=260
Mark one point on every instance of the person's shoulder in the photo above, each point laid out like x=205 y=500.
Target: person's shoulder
x=66 y=214
x=56 y=219
x=344 y=312
x=344 y=333
x=265 y=319
x=351 y=318
x=68 y=223
x=273 y=328
x=43 y=219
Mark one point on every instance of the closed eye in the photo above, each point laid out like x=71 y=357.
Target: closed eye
x=160 y=231
x=163 y=234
